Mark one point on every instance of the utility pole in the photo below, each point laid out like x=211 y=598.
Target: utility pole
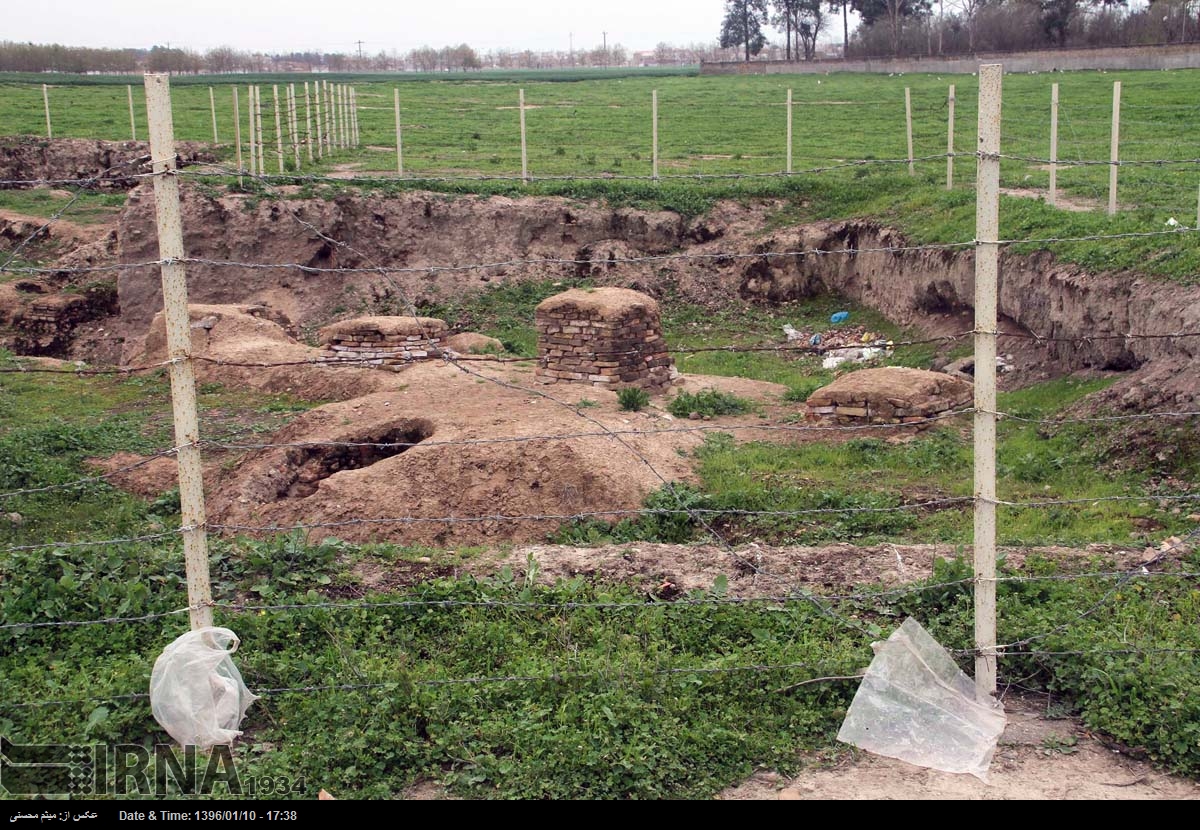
x=605 y=34
x=571 y=46
x=360 y=43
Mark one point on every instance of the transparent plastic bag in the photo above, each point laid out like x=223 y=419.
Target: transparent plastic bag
x=915 y=704
x=196 y=692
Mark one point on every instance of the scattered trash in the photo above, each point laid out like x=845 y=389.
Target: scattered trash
x=815 y=340
x=839 y=317
x=196 y=692
x=789 y=331
x=915 y=704
x=837 y=357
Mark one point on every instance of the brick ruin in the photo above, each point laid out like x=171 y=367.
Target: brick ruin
x=890 y=395
x=607 y=337
x=383 y=341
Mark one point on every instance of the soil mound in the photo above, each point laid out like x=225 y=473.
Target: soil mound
x=244 y=345
x=892 y=394
x=447 y=458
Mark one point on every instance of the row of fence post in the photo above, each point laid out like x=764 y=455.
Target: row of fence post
x=183 y=395
x=339 y=129
x=332 y=109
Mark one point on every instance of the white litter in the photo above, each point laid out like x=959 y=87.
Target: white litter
x=915 y=704
x=196 y=692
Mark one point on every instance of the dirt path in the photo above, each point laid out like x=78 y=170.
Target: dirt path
x=1038 y=758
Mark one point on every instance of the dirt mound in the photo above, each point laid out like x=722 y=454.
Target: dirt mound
x=603 y=303
x=146 y=476
x=433 y=470
x=469 y=342
x=234 y=340
x=890 y=394
x=113 y=164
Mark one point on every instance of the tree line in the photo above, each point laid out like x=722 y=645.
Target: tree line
x=883 y=28
x=905 y=28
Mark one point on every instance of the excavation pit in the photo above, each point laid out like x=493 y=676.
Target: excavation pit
x=310 y=465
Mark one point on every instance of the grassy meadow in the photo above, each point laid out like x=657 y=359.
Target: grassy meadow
x=499 y=687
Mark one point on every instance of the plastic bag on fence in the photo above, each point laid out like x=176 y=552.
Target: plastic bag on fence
x=196 y=692
x=915 y=704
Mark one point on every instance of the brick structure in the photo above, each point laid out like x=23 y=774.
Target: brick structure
x=607 y=337
x=383 y=341
x=891 y=395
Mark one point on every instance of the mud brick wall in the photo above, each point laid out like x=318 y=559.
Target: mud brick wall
x=607 y=337
x=383 y=342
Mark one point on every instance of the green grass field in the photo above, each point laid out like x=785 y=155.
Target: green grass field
x=599 y=129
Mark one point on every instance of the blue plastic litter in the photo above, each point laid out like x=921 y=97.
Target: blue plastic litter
x=815 y=340
x=839 y=317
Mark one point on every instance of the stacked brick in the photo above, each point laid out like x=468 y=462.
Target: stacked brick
x=607 y=337
x=890 y=395
x=383 y=342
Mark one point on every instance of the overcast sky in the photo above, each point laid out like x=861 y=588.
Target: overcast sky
x=299 y=25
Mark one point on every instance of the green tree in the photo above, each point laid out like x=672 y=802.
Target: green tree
x=894 y=12
x=743 y=24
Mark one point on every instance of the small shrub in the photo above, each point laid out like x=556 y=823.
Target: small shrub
x=802 y=390
x=711 y=402
x=633 y=399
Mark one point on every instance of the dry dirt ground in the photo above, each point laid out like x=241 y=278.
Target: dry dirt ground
x=1038 y=758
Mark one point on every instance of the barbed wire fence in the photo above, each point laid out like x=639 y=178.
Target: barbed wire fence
x=450 y=139
x=189 y=444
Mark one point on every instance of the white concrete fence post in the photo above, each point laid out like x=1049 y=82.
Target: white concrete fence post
x=258 y=131
x=294 y=125
x=46 y=103
x=308 y=132
x=132 y=121
x=908 y=129
x=1114 y=150
x=654 y=133
x=179 y=348
x=1052 y=196
x=788 y=164
x=399 y=135
x=278 y=125
x=524 y=151
x=950 y=139
x=237 y=133
x=212 y=108
x=320 y=122
x=987 y=234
